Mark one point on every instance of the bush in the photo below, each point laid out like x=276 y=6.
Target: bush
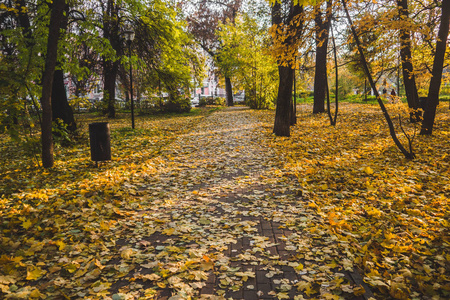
x=211 y=101
x=256 y=102
x=177 y=104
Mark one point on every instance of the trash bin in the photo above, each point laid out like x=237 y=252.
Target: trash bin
x=100 y=140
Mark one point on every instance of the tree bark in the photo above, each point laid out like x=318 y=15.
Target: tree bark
x=294 y=100
x=336 y=99
x=110 y=70
x=111 y=67
x=409 y=79
x=284 y=110
x=438 y=65
x=24 y=22
x=60 y=106
x=320 y=76
x=229 y=91
x=284 y=102
x=56 y=17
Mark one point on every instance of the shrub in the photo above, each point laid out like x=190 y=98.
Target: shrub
x=211 y=101
x=178 y=104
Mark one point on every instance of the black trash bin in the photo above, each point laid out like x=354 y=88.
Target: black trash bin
x=99 y=135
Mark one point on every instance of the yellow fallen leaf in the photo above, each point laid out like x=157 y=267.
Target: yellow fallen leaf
x=329 y=296
x=36 y=294
x=368 y=170
x=54 y=269
x=151 y=277
x=104 y=225
x=34 y=273
x=283 y=296
x=168 y=231
x=359 y=291
x=27 y=224
x=7 y=279
x=303 y=285
x=299 y=267
x=72 y=267
x=312 y=205
x=206 y=265
x=127 y=253
x=61 y=245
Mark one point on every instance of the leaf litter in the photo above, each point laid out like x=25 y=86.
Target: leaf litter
x=227 y=210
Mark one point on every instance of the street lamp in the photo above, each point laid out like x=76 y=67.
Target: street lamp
x=129 y=37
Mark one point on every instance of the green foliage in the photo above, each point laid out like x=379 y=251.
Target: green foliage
x=359 y=99
x=177 y=104
x=80 y=103
x=212 y=101
x=168 y=57
x=61 y=135
x=244 y=56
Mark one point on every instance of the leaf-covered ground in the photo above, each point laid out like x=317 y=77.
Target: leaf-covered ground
x=216 y=207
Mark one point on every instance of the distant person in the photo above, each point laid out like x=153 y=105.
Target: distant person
x=384 y=91
x=393 y=96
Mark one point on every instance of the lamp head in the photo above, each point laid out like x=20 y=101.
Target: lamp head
x=129 y=35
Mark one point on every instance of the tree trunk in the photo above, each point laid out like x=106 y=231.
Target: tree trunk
x=438 y=65
x=294 y=100
x=336 y=99
x=289 y=43
x=110 y=70
x=284 y=102
x=320 y=76
x=409 y=79
x=365 y=89
x=60 y=106
x=24 y=21
x=111 y=67
x=56 y=17
x=229 y=91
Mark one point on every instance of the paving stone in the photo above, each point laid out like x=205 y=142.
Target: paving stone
x=208 y=289
x=261 y=277
x=250 y=295
x=237 y=295
x=265 y=289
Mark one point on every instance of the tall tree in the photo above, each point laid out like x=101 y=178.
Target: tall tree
x=244 y=45
x=168 y=55
x=60 y=105
x=287 y=28
x=203 y=24
x=409 y=79
x=111 y=31
x=438 y=64
x=322 y=28
x=56 y=19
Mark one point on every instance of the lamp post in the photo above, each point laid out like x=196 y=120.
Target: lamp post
x=129 y=36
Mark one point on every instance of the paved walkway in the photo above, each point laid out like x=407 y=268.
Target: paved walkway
x=220 y=220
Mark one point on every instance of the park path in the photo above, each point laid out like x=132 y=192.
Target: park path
x=220 y=220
